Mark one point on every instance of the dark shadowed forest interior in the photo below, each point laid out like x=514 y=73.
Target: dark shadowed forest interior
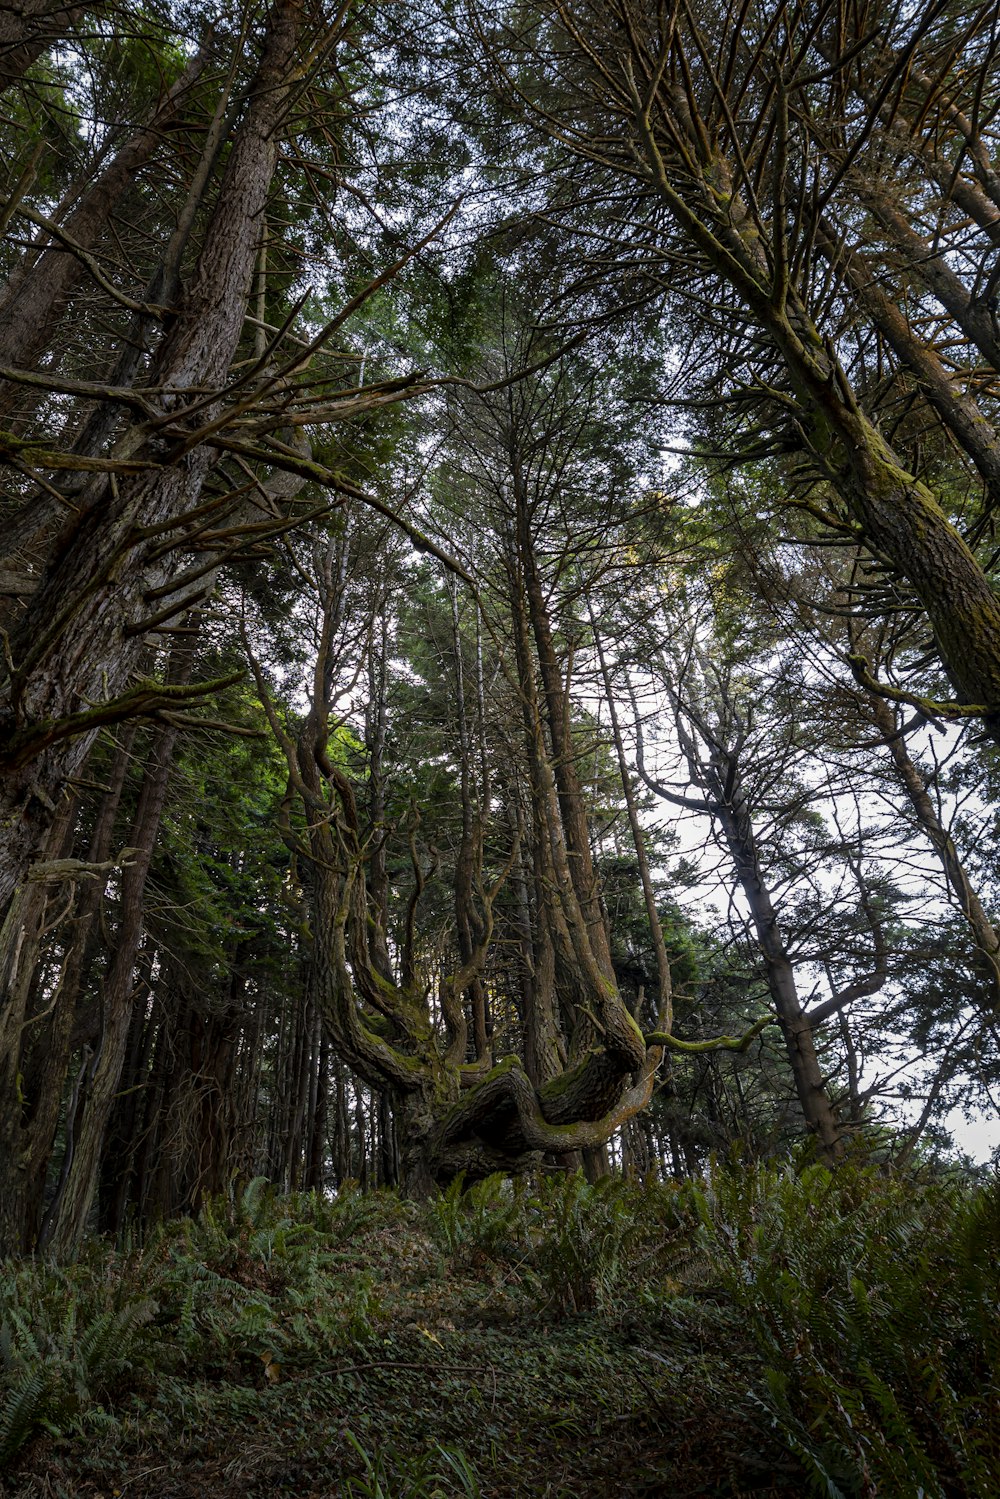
x=499 y=748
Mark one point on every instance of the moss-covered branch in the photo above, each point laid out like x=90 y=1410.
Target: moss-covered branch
x=931 y=708
x=145 y=700
x=714 y=1043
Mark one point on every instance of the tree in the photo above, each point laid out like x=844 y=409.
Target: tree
x=410 y=1019
x=707 y=136
x=271 y=395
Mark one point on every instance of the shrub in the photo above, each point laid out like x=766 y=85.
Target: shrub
x=71 y=1341
x=873 y=1304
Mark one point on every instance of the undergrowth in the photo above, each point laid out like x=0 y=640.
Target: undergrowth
x=766 y=1331
x=874 y=1305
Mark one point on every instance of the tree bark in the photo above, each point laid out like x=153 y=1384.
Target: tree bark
x=77 y=644
x=48 y=1083
x=32 y=299
x=72 y=1208
x=20 y=943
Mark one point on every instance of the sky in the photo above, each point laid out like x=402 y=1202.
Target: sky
x=978 y=1137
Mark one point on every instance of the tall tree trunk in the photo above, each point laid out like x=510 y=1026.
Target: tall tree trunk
x=817 y=1107
x=664 y=1020
x=49 y=271
x=81 y=637
x=20 y=945
x=469 y=856
x=48 y=1082
x=725 y=803
x=316 y=1175
x=116 y=1189
x=72 y=1209
x=564 y=759
x=376 y=724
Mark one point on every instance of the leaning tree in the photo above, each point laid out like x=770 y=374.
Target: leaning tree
x=732 y=163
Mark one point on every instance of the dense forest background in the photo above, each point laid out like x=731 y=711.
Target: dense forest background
x=501 y=659
x=499 y=701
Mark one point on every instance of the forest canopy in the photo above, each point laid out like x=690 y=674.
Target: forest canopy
x=501 y=647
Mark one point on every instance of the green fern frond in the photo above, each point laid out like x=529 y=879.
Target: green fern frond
x=26 y=1408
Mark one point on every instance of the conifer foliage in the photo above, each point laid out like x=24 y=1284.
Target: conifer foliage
x=500 y=647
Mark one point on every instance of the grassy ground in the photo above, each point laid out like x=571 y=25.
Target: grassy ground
x=558 y=1340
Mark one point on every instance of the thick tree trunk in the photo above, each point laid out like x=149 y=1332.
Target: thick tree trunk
x=897 y=516
x=545 y=1051
x=585 y=988
x=81 y=637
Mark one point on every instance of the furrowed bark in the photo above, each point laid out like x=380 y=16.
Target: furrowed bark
x=75 y=645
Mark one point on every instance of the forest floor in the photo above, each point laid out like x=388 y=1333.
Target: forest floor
x=493 y=1345
x=391 y=1356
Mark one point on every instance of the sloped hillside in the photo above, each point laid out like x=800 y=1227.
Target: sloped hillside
x=767 y=1333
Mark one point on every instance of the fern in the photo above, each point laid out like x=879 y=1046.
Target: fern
x=873 y=1307
x=26 y=1408
x=66 y=1339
